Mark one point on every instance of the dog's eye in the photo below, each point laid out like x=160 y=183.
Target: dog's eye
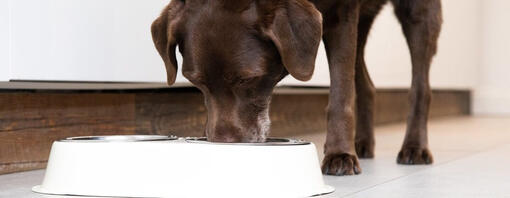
x=246 y=81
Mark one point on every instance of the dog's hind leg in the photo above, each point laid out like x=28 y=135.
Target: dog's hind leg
x=365 y=90
x=421 y=22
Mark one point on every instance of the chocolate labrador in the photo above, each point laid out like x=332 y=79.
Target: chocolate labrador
x=236 y=51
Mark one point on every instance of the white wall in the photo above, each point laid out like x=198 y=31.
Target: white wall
x=492 y=94
x=388 y=57
x=4 y=40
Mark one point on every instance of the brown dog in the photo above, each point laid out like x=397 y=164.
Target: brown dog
x=236 y=51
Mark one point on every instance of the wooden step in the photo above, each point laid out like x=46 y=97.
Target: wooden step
x=30 y=120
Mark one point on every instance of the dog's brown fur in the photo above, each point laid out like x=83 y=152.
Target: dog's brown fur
x=236 y=51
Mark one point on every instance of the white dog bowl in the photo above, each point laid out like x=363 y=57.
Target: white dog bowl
x=160 y=166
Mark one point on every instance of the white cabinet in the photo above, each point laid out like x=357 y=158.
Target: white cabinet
x=84 y=40
x=4 y=40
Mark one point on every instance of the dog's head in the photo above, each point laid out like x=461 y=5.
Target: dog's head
x=235 y=52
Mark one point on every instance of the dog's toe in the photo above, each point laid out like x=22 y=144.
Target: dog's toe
x=414 y=155
x=365 y=149
x=341 y=164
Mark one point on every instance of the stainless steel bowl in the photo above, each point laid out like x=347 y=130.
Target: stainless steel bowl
x=269 y=142
x=120 y=138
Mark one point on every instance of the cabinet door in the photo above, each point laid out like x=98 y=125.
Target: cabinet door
x=85 y=40
x=4 y=40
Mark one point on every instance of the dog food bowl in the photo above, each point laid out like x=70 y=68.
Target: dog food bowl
x=161 y=166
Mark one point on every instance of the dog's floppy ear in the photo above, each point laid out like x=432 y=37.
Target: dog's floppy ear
x=164 y=36
x=296 y=30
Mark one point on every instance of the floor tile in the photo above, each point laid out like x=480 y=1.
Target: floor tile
x=482 y=175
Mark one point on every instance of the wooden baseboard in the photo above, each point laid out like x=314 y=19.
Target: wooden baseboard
x=30 y=120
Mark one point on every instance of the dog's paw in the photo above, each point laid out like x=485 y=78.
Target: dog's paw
x=415 y=155
x=341 y=164
x=365 y=149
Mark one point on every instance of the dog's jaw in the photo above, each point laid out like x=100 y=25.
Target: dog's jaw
x=264 y=125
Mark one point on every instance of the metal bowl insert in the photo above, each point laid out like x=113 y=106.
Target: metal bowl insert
x=120 y=138
x=269 y=142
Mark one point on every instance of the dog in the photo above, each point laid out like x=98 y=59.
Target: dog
x=236 y=51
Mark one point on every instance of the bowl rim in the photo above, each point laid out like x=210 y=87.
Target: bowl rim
x=269 y=142
x=191 y=140
x=119 y=138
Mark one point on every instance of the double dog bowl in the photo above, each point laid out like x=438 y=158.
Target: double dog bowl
x=162 y=166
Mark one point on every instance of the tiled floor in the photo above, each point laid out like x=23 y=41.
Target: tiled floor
x=472 y=159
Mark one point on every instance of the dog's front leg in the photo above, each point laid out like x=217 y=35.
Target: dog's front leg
x=340 y=39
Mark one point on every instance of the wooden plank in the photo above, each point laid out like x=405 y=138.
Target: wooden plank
x=182 y=114
x=292 y=112
x=31 y=120
x=393 y=106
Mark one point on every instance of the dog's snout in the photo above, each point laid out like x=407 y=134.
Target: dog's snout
x=229 y=121
x=224 y=131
